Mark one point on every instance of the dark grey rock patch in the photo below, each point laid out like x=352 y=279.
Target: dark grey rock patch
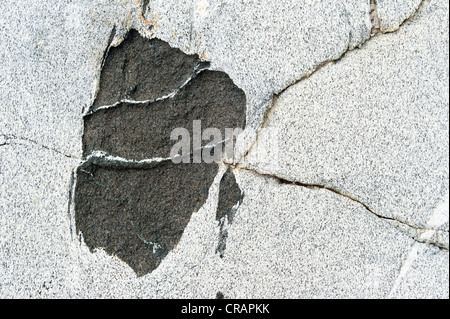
x=140 y=131
x=139 y=215
x=230 y=198
x=142 y=69
x=230 y=194
x=220 y=295
x=126 y=202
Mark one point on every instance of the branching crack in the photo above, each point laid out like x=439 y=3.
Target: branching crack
x=101 y=158
x=319 y=66
x=70 y=205
x=422 y=235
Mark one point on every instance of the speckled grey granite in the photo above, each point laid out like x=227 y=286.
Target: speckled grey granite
x=425 y=267
x=296 y=242
x=50 y=56
x=393 y=13
x=36 y=259
x=374 y=125
x=286 y=240
x=263 y=45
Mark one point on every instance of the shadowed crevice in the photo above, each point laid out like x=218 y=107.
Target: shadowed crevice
x=220 y=295
x=230 y=198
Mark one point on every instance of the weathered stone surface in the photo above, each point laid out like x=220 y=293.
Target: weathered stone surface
x=425 y=267
x=143 y=131
x=230 y=198
x=392 y=13
x=286 y=240
x=375 y=124
x=139 y=215
x=35 y=235
x=296 y=242
x=141 y=69
x=263 y=45
x=230 y=195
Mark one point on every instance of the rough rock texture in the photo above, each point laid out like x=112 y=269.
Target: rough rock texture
x=128 y=73
x=138 y=212
x=374 y=125
x=142 y=131
x=139 y=215
x=288 y=38
x=425 y=267
x=286 y=239
x=392 y=13
x=50 y=57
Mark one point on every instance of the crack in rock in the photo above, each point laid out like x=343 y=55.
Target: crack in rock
x=230 y=195
x=129 y=73
x=375 y=32
x=132 y=197
x=108 y=47
x=130 y=130
x=374 y=19
x=10 y=139
x=422 y=235
x=199 y=68
x=145 y=7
